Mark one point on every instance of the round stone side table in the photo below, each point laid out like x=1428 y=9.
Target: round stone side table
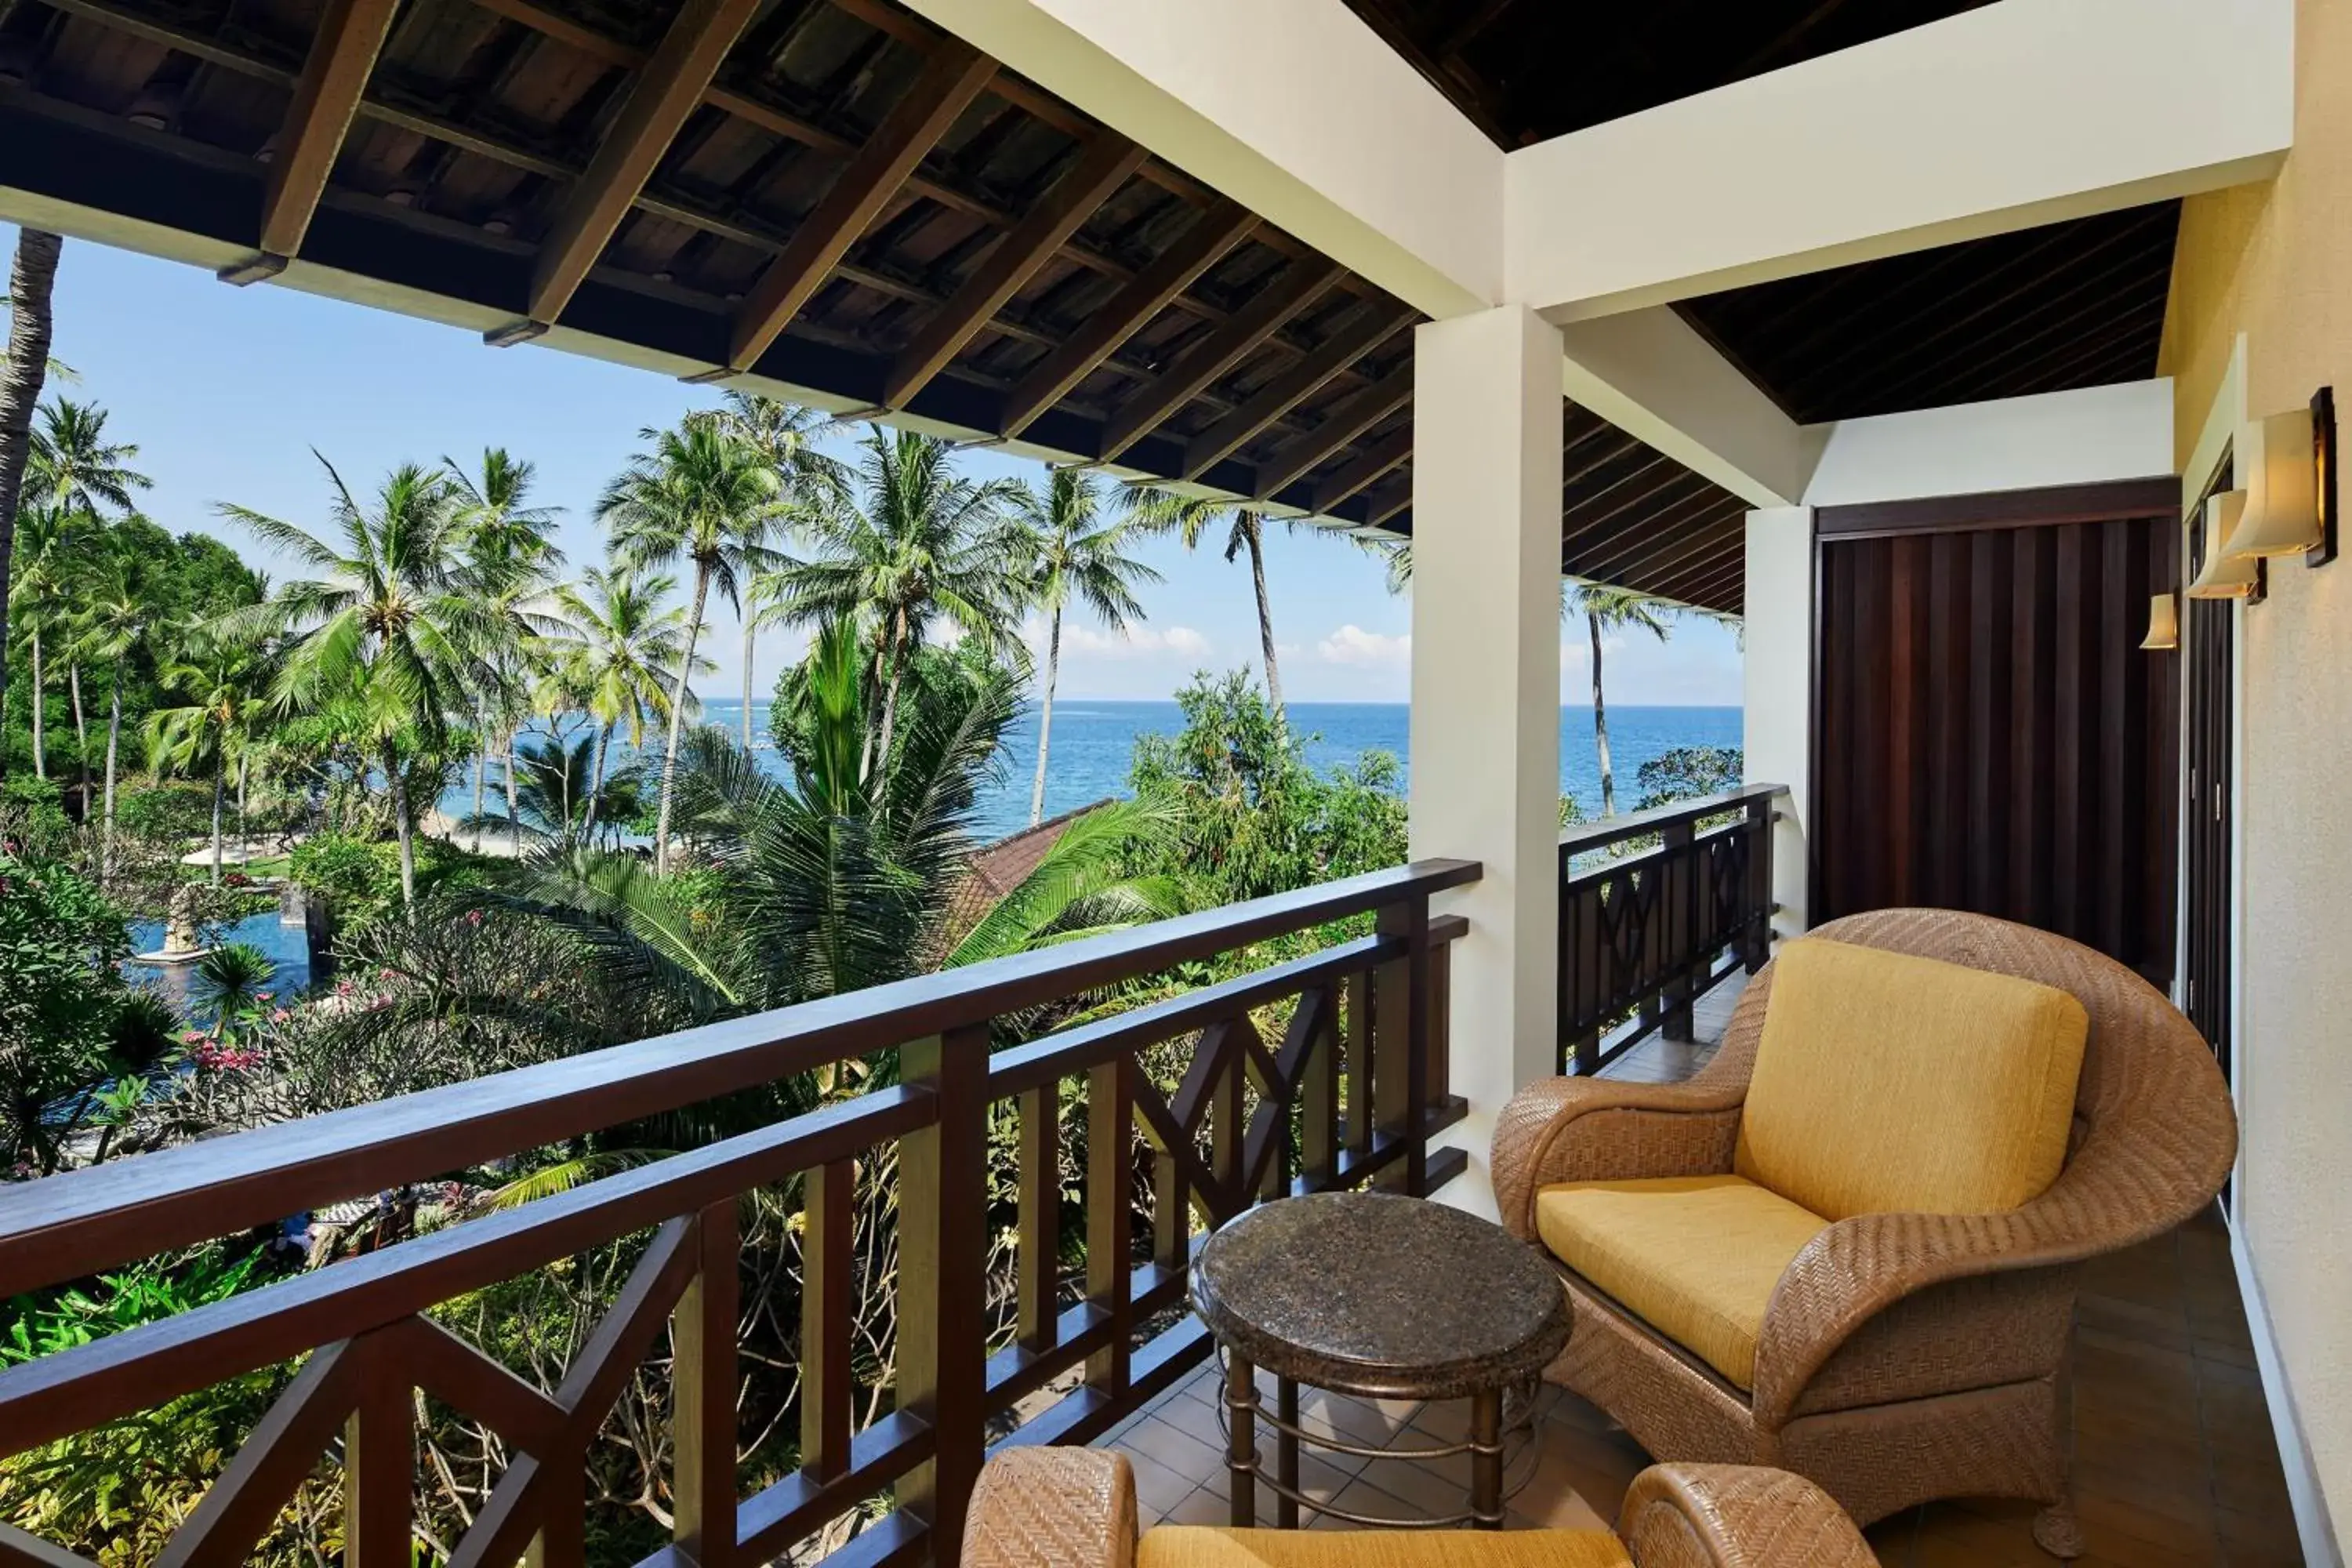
x=1379 y=1297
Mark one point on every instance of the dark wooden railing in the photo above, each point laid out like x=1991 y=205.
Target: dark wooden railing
x=1644 y=935
x=1352 y=1091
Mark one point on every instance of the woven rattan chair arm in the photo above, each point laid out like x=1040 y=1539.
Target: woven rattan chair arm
x=2139 y=1179
x=1596 y=1129
x=1053 y=1508
x=1735 y=1515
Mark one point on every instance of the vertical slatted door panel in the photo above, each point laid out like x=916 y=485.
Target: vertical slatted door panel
x=1992 y=737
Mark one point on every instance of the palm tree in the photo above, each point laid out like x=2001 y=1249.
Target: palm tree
x=845 y=878
x=619 y=644
x=1191 y=519
x=510 y=562
x=224 y=681
x=30 y=279
x=76 y=467
x=46 y=538
x=1604 y=608
x=924 y=544
x=559 y=795
x=1076 y=552
x=810 y=482
x=389 y=631
x=115 y=615
x=701 y=495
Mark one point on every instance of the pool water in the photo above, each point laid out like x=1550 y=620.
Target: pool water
x=284 y=944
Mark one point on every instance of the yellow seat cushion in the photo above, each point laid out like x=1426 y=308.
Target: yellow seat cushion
x=1202 y=1546
x=1695 y=1256
x=1885 y=1082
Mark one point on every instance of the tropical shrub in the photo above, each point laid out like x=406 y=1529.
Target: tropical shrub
x=73 y=1047
x=1687 y=772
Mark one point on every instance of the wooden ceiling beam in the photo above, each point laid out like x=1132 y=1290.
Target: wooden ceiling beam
x=326 y=97
x=1654 y=550
x=1376 y=324
x=951 y=79
x=1350 y=418
x=1202 y=246
x=1709 y=573
x=1102 y=168
x=1301 y=283
x=1359 y=474
x=1674 y=523
x=668 y=89
x=1382 y=507
x=1676 y=479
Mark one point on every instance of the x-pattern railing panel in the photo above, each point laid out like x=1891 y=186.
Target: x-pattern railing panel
x=1248 y=1117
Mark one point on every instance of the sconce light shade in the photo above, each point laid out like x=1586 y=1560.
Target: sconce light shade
x=2227 y=575
x=2163 y=625
x=2282 y=477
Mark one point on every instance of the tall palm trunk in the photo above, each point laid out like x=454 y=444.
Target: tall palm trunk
x=220 y=798
x=113 y=745
x=595 y=785
x=1600 y=724
x=244 y=835
x=481 y=775
x=40 y=744
x=29 y=284
x=678 y=717
x=81 y=731
x=890 y=696
x=1045 y=718
x=514 y=810
x=747 y=680
x=1264 y=620
x=402 y=827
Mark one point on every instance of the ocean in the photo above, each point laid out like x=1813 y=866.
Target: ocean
x=1095 y=741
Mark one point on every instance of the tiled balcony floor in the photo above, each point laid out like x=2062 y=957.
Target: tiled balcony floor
x=2174 y=1462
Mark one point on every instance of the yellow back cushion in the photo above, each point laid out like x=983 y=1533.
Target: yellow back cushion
x=1885 y=1082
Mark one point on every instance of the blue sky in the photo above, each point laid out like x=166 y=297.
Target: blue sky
x=226 y=391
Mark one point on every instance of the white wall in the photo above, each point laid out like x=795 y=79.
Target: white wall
x=2121 y=432
x=1293 y=107
x=1777 y=643
x=2009 y=115
x=1486 y=694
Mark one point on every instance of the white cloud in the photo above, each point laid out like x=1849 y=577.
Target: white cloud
x=1351 y=643
x=1137 y=642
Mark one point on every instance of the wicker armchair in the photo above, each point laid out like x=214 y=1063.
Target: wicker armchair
x=1074 y=1508
x=1902 y=1357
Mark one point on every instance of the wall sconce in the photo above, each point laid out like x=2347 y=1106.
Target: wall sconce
x=2163 y=625
x=2226 y=574
x=2288 y=461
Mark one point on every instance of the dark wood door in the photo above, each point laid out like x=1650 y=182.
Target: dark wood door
x=2208 y=652
x=1989 y=734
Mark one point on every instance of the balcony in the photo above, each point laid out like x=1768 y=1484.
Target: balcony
x=1325 y=1070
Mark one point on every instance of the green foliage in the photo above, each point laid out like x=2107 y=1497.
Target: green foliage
x=63 y=1006
x=33 y=814
x=118 y=1491
x=1251 y=816
x=360 y=878
x=1687 y=772
x=178 y=810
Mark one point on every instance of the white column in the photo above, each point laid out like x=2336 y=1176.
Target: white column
x=1777 y=674
x=1485 y=693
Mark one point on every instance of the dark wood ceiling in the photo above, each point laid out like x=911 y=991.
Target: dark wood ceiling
x=833 y=197
x=1527 y=70
x=2053 y=309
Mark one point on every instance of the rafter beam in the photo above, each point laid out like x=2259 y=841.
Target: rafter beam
x=1373 y=326
x=1212 y=235
x=665 y=93
x=326 y=97
x=1384 y=508
x=1350 y=417
x=1101 y=169
x=951 y=79
x=1302 y=282
x=1359 y=474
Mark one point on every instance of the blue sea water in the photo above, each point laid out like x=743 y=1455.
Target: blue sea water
x=1094 y=743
